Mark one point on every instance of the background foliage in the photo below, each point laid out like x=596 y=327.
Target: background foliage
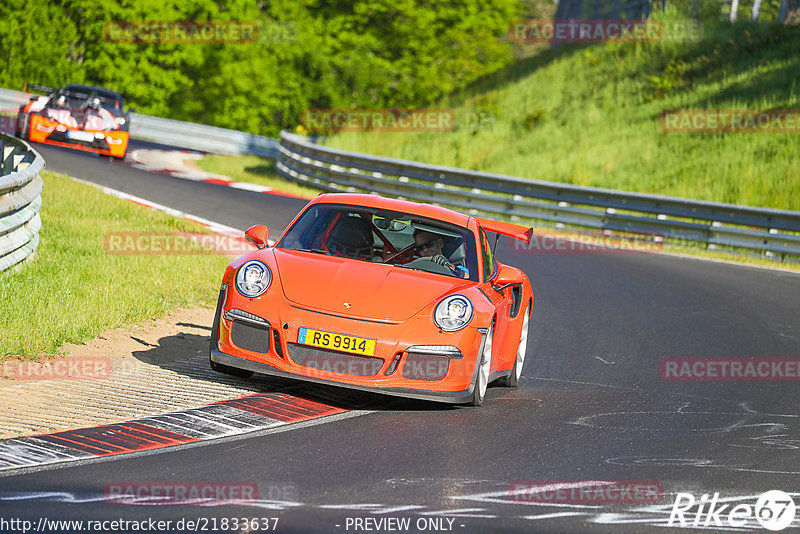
x=309 y=54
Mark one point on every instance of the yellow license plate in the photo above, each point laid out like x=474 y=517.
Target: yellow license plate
x=343 y=342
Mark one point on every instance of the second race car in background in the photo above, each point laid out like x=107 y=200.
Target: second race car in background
x=84 y=117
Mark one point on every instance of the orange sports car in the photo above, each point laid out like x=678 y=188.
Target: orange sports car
x=377 y=294
x=84 y=117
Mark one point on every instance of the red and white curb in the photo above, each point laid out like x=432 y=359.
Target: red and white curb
x=173 y=163
x=225 y=418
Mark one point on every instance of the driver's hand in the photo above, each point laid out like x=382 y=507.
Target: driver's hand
x=441 y=260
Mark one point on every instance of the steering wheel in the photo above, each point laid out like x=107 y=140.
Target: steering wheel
x=427 y=264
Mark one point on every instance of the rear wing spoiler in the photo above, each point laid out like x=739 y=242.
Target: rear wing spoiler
x=507 y=229
x=38 y=88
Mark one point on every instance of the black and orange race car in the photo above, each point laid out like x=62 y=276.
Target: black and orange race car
x=76 y=116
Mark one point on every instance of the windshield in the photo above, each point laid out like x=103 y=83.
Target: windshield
x=379 y=236
x=75 y=97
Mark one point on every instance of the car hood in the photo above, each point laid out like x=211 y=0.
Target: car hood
x=359 y=289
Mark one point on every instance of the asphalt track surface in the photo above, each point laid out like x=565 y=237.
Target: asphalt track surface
x=591 y=406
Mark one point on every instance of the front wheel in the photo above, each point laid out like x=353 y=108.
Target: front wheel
x=512 y=380
x=484 y=367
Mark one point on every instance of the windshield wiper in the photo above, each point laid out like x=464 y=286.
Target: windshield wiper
x=406 y=267
x=315 y=250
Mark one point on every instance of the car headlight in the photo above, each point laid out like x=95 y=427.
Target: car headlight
x=121 y=121
x=453 y=313
x=253 y=278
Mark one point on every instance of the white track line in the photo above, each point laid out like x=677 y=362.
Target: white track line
x=211 y=225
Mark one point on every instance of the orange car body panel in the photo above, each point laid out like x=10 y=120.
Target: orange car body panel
x=507 y=229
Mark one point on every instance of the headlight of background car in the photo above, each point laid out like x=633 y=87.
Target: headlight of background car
x=253 y=278
x=453 y=313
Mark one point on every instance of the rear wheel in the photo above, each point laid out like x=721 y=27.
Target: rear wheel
x=512 y=380
x=484 y=367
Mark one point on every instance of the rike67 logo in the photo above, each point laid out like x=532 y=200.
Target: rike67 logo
x=774 y=510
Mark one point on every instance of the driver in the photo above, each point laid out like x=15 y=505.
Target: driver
x=97 y=117
x=429 y=245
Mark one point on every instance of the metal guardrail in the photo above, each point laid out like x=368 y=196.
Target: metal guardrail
x=20 y=200
x=767 y=230
x=173 y=132
x=770 y=231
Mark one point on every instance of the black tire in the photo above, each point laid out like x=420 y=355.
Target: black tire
x=218 y=367
x=481 y=384
x=23 y=123
x=512 y=380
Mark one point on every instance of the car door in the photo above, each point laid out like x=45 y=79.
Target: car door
x=507 y=307
x=497 y=298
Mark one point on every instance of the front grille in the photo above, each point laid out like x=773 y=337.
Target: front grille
x=333 y=361
x=429 y=367
x=61 y=137
x=250 y=337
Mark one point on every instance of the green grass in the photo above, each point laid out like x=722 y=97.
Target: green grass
x=590 y=115
x=73 y=290
x=255 y=170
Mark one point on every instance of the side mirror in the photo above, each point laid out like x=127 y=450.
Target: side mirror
x=257 y=235
x=505 y=277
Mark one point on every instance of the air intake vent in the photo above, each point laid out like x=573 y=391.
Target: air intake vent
x=250 y=337
x=428 y=367
x=334 y=362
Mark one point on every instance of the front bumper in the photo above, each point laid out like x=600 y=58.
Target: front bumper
x=108 y=142
x=392 y=370
x=452 y=397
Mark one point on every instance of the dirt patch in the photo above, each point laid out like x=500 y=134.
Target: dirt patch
x=124 y=373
